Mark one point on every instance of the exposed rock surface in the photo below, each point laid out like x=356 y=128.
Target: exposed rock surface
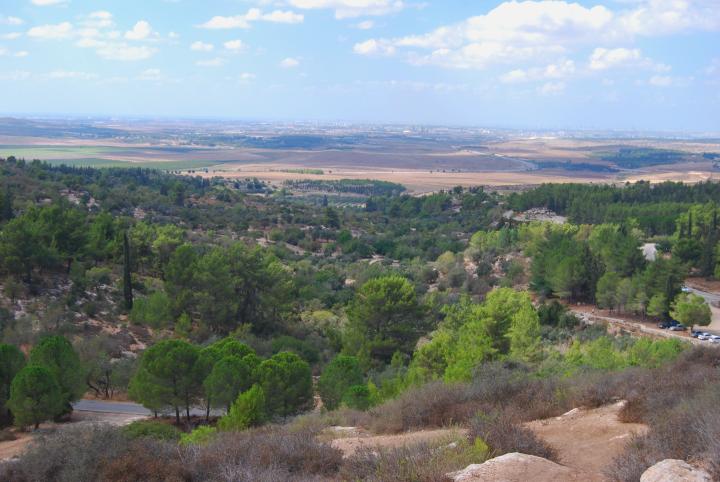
x=671 y=470
x=516 y=467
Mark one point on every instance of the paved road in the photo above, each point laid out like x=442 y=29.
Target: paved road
x=105 y=406
x=130 y=408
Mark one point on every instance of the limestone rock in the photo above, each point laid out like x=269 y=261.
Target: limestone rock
x=515 y=467
x=671 y=470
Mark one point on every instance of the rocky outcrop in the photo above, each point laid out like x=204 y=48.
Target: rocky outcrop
x=670 y=470
x=515 y=467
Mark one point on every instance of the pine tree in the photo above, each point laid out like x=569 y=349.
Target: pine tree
x=127 y=280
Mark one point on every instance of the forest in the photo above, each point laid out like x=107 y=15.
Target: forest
x=277 y=316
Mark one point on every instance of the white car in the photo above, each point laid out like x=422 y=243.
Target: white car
x=704 y=336
x=714 y=338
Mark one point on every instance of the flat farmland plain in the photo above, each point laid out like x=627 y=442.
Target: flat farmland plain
x=421 y=165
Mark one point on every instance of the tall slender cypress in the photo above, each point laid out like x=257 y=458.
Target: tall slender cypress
x=127 y=279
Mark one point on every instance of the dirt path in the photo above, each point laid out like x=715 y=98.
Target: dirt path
x=359 y=439
x=587 y=440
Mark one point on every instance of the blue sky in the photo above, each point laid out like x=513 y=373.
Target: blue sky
x=625 y=64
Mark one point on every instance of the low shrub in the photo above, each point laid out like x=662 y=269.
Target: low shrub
x=504 y=435
x=73 y=454
x=199 y=436
x=153 y=429
x=418 y=463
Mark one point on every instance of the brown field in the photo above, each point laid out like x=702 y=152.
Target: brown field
x=422 y=165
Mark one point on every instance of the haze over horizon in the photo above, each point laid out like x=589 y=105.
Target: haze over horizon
x=599 y=64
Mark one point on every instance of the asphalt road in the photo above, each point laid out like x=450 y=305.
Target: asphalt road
x=130 y=408
x=104 y=406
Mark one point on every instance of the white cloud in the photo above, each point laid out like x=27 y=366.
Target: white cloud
x=124 y=52
x=283 y=16
x=352 y=8
x=99 y=19
x=57 y=31
x=11 y=36
x=202 y=47
x=289 y=63
x=668 y=81
x=10 y=20
x=536 y=31
x=21 y=53
x=234 y=45
x=365 y=25
x=246 y=76
x=551 y=88
x=46 y=3
x=151 y=75
x=64 y=74
x=253 y=15
x=216 y=62
x=374 y=47
x=559 y=70
x=602 y=58
x=140 y=31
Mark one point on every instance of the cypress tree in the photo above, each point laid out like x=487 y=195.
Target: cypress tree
x=127 y=280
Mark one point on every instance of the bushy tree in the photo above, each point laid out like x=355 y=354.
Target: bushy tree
x=35 y=396
x=249 y=410
x=286 y=381
x=167 y=376
x=690 y=310
x=57 y=355
x=229 y=377
x=357 y=397
x=12 y=360
x=524 y=335
x=385 y=317
x=340 y=374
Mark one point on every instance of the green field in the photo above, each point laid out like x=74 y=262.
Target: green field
x=96 y=156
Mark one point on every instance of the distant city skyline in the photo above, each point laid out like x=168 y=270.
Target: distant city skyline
x=646 y=65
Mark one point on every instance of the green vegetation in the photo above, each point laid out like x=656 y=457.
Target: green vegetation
x=412 y=312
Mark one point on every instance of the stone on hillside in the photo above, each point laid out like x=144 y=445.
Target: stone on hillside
x=671 y=470
x=515 y=467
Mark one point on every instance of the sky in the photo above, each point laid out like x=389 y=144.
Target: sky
x=588 y=64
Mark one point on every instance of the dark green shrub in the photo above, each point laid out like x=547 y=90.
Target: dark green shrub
x=153 y=429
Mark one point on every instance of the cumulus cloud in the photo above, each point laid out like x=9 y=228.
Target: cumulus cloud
x=289 y=63
x=374 y=47
x=65 y=74
x=124 y=52
x=352 y=8
x=216 y=62
x=532 y=30
x=51 y=31
x=365 y=25
x=602 y=58
x=140 y=31
x=11 y=36
x=234 y=45
x=11 y=20
x=201 y=47
x=551 y=88
x=253 y=15
x=560 y=70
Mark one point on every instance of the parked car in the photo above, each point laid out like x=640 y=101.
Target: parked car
x=678 y=327
x=685 y=289
x=695 y=333
x=704 y=336
x=665 y=325
x=714 y=338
